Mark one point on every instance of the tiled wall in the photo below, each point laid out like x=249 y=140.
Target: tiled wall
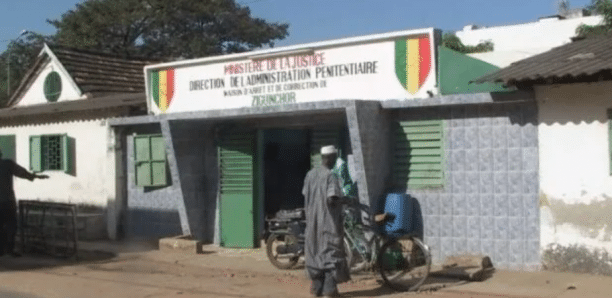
x=369 y=130
x=151 y=212
x=196 y=158
x=489 y=203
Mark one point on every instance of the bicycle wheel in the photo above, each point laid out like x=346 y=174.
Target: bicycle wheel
x=404 y=264
x=278 y=242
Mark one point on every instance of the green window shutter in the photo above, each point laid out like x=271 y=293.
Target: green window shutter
x=158 y=161
x=67 y=155
x=150 y=160
x=36 y=153
x=7 y=146
x=419 y=154
x=142 y=160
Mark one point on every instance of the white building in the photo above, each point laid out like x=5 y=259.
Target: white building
x=516 y=42
x=572 y=86
x=56 y=123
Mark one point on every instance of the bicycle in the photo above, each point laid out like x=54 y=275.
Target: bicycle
x=403 y=262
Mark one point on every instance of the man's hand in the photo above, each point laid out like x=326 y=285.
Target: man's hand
x=41 y=176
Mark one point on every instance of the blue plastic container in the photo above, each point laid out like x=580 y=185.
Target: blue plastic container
x=401 y=206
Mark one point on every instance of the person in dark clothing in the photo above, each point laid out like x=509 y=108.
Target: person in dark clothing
x=8 y=203
x=325 y=258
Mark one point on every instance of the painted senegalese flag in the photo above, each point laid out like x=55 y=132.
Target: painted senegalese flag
x=162 y=88
x=412 y=62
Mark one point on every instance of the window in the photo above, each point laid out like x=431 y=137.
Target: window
x=419 y=154
x=7 y=146
x=51 y=153
x=150 y=160
x=53 y=86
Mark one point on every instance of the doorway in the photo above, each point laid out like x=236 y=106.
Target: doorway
x=286 y=160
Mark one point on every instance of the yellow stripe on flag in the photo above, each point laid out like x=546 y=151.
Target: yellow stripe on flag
x=412 y=65
x=163 y=90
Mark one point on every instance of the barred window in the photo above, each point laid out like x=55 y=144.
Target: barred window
x=51 y=153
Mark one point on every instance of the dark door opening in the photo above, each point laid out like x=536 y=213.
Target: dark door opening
x=286 y=162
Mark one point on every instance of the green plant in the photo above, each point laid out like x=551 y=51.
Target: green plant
x=453 y=42
x=577 y=258
x=603 y=8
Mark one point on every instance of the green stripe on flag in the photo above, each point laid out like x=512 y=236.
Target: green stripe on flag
x=155 y=87
x=400 y=60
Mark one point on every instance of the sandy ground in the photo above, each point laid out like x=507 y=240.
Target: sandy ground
x=228 y=273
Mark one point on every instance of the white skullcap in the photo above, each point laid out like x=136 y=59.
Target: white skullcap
x=326 y=150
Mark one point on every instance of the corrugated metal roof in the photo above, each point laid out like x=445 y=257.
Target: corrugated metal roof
x=96 y=74
x=579 y=59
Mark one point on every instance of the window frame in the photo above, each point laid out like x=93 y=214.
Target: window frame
x=38 y=160
x=52 y=86
x=160 y=160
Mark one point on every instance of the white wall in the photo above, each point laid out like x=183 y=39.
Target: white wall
x=94 y=182
x=36 y=94
x=516 y=42
x=574 y=163
x=573 y=132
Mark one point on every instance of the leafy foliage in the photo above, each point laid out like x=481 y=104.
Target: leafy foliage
x=156 y=29
x=575 y=258
x=165 y=28
x=603 y=8
x=22 y=53
x=453 y=42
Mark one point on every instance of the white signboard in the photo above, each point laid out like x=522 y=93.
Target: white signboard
x=396 y=68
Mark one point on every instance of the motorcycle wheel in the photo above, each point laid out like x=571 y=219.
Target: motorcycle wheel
x=281 y=262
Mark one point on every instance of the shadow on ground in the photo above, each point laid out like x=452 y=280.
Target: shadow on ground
x=88 y=253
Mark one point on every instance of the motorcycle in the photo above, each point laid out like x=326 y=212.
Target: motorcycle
x=285 y=245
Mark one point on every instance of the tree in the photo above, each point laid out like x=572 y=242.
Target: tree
x=165 y=28
x=453 y=42
x=600 y=7
x=22 y=54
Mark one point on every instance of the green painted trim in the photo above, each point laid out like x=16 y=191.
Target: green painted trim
x=7 y=146
x=420 y=123
x=456 y=70
x=418 y=153
x=36 y=154
x=150 y=169
x=52 y=87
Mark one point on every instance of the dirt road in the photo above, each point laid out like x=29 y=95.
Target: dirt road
x=155 y=274
x=240 y=273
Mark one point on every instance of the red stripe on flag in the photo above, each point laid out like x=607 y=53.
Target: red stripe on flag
x=169 y=86
x=424 y=59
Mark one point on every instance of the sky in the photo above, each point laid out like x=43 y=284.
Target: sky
x=318 y=20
